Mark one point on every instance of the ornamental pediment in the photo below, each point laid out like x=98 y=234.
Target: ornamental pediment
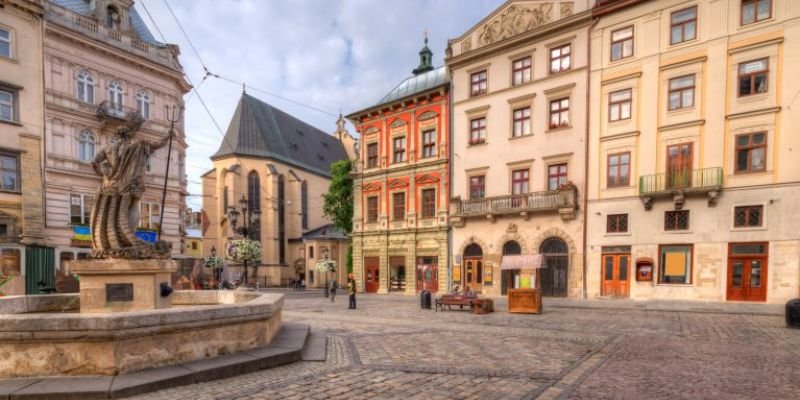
x=371 y=187
x=396 y=183
x=397 y=123
x=425 y=178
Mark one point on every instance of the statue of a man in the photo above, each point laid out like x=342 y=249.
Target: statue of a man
x=115 y=214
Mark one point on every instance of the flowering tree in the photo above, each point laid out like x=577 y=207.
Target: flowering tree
x=246 y=250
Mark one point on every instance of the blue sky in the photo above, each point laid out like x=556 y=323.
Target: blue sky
x=329 y=54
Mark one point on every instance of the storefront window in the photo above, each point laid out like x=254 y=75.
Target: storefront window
x=675 y=264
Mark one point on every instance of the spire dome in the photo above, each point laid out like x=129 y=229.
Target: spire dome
x=425 y=58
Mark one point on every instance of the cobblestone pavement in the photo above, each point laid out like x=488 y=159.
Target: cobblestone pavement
x=390 y=349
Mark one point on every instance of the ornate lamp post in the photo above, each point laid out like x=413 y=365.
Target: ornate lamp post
x=325 y=281
x=250 y=222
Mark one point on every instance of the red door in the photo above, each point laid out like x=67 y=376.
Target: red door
x=679 y=166
x=747 y=271
x=427 y=274
x=616 y=275
x=371 y=274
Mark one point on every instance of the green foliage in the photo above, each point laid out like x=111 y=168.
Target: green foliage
x=213 y=262
x=350 y=260
x=246 y=250
x=339 y=199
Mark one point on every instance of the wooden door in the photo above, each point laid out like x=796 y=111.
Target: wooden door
x=473 y=274
x=371 y=274
x=679 y=166
x=616 y=275
x=747 y=271
x=427 y=277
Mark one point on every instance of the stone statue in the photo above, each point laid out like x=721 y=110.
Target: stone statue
x=115 y=214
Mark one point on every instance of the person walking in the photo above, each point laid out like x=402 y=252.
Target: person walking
x=332 y=290
x=351 y=289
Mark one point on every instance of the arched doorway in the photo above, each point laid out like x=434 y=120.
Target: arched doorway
x=473 y=267
x=510 y=248
x=553 y=276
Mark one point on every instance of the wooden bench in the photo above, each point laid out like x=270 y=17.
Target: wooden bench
x=451 y=300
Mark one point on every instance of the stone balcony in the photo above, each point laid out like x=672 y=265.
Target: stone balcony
x=116 y=114
x=563 y=201
x=677 y=185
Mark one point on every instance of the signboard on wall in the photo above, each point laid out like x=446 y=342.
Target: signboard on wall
x=487 y=274
x=456 y=273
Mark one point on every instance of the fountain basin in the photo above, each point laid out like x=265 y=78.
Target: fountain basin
x=40 y=336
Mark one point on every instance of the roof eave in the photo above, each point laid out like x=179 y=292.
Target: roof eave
x=379 y=106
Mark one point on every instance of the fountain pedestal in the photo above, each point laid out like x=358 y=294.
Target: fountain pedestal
x=114 y=285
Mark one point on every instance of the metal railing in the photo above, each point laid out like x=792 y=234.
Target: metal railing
x=697 y=180
x=535 y=201
x=108 y=109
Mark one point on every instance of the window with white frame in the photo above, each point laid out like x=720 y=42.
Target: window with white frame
x=522 y=122
x=150 y=215
x=85 y=89
x=80 y=208
x=5 y=43
x=143 y=104
x=521 y=71
x=86 y=145
x=622 y=43
x=7 y=105
x=115 y=94
x=619 y=105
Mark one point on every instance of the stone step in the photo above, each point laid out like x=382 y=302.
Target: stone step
x=286 y=347
x=316 y=348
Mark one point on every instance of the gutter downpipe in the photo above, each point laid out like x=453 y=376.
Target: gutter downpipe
x=450 y=173
x=586 y=150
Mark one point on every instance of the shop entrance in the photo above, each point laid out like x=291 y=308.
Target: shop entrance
x=371 y=274
x=747 y=271
x=397 y=274
x=473 y=268
x=616 y=275
x=427 y=274
x=553 y=276
x=510 y=248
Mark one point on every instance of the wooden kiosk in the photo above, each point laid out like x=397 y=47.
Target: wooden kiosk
x=524 y=295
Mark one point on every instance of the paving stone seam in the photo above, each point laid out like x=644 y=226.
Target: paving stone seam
x=601 y=355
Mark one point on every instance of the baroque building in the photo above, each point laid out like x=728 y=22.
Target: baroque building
x=401 y=185
x=280 y=166
x=104 y=69
x=21 y=116
x=519 y=146
x=694 y=181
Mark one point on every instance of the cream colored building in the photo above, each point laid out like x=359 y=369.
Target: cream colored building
x=103 y=69
x=693 y=135
x=21 y=120
x=281 y=167
x=519 y=127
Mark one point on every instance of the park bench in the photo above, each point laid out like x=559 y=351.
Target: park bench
x=451 y=300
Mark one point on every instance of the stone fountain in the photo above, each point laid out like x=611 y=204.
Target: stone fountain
x=130 y=319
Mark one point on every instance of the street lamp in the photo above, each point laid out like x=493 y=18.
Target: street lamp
x=250 y=223
x=325 y=281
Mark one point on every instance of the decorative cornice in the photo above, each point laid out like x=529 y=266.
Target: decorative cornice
x=680 y=125
x=744 y=114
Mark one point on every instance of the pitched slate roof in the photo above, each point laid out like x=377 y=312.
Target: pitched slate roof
x=82 y=7
x=329 y=231
x=258 y=129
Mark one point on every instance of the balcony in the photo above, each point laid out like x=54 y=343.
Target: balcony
x=679 y=184
x=111 y=113
x=564 y=201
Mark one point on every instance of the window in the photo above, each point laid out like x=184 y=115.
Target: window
x=521 y=71
x=675 y=264
x=755 y=11
x=619 y=105
x=617 y=223
x=621 y=43
x=7 y=109
x=748 y=216
x=477 y=130
x=310 y=251
x=399 y=149
x=253 y=191
x=85 y=90
x=559 y=113
x=80 y=208
x=5 y=43
x=143 y=104
x=751 y=152
x=753 y=77
x=372 y=209
x=618 y=169
x=281 y=219
x=478 y=84
x=150 y=215
x=556 y=176
x=115 y=94
x=522 y=122
x=683 y=25
x=428 y=143
x=225 y=200
x=560 y=59
x=9 y=172
x=86 y=145
x=520 y=181
x=399 y=206
x=304 y=204
x=676 y=220
x=428 y=203
x=372 y=155
x=194 y=245
x=477 y=187
x=681 y=92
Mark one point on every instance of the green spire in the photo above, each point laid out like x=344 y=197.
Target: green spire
x=425 y=58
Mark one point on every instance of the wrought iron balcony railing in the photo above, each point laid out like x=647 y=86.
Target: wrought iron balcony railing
x=687 y=181
x=563 y=200
x=109 y=111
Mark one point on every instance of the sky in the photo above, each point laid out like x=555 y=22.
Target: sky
x=331 y=55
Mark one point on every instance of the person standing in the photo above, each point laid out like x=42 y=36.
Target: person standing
x=351 y=289
x=332 y=290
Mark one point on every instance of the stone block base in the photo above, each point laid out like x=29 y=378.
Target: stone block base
x=114 y=285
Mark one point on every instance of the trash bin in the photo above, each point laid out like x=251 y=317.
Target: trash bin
x=793 y=313
x=425 y=299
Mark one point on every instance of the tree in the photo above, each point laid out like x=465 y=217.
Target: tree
x=339 y=199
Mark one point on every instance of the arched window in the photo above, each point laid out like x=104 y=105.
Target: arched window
x=86 y=143
x=304 y=203
x=143 y=104
x=511 y=247
x=554 y=246
x=473 y=250
x=281 y=221
x=115 y=94
x=253 y=191
x=310 y=251
x=85 y=90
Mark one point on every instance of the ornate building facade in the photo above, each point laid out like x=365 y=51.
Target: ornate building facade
x=694 y=180
x=519 y=145
x=401 y=187
x=21 y=116
x=104 y=69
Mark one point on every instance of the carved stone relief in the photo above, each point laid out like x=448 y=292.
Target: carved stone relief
x=466 y=45
x=515 y=20
x=566 y=9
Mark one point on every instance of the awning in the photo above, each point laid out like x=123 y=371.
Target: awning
x=526 y=261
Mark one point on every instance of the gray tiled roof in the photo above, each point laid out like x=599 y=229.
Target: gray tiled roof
x=258 y=129
x=137 y=23
x=416 y=84
x=329 y=231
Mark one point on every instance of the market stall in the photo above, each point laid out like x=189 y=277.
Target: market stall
x=524 y=295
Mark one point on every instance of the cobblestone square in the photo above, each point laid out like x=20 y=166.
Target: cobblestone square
x=391 y=349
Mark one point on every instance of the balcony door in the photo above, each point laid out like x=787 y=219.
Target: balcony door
x=679 y=166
